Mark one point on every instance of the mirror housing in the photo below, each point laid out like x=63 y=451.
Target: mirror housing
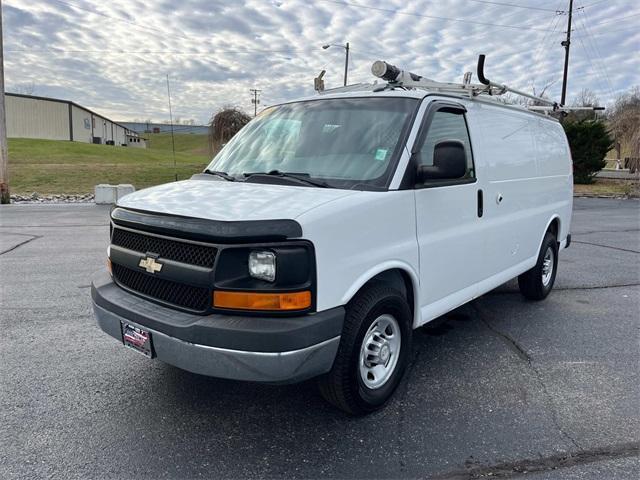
x=449 y=162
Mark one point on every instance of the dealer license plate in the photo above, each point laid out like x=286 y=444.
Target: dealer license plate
x=137 y=339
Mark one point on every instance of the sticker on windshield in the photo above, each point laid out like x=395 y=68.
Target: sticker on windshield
x=381 y=154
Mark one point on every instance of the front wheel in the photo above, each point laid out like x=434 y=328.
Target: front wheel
x=373 y=351
x=535 y=284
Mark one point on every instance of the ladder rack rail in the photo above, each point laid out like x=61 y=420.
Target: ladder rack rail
x=397 y=77
x=484 y=80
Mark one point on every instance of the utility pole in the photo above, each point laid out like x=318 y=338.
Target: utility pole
x=346 y=62
x=346 y=57
x=4 y=154
x=255 y=100
x=566 y=44
x=173 y=142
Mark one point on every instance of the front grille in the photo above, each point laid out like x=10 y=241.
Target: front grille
x=186 y=296
x=193 y=254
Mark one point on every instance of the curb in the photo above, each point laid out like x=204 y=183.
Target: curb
x=612 y=196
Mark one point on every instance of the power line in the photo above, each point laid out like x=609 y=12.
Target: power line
x=594 y=46
x=435 y=17
x=514 y=5
x=593 y=67
x=544 y=48
x=555 y=21
x=594 y=3
x=159 y=31
x=616 y=19
x=477 y=35
x=150 y=52
x=608 y=32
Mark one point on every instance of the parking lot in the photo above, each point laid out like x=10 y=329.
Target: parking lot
x=497 y=388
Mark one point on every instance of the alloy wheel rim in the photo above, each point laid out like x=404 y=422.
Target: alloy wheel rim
x=380 y=351
x=547 y=266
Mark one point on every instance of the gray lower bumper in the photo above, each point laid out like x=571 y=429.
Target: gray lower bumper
x=272 y=367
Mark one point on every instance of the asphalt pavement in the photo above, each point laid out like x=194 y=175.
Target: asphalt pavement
x=500 y=388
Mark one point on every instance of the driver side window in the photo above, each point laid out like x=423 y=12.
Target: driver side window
x=447 y=125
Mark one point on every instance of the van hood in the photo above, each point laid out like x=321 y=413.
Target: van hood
x=231 y=201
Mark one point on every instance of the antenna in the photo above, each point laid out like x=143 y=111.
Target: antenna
x=173 y=142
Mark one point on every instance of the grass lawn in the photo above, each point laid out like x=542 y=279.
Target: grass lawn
x=52 y=166
x=186 y=143
x=601 y=186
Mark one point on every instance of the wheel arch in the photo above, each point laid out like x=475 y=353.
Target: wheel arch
x=554 y=225
x=398 y=274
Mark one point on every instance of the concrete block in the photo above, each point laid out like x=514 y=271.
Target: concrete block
x=124 y=189
x=109 y=194
x=105 y=194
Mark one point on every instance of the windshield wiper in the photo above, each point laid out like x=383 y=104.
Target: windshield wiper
x=300 y=177
x=224 y=175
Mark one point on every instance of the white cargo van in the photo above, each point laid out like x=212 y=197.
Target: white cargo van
x=331 y=227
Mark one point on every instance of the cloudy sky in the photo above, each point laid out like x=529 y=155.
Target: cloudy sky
x=114 y=56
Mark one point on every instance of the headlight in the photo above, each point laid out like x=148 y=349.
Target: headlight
x=262 y=265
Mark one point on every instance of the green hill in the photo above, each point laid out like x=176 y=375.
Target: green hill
x=53 y=166
x=186 y=143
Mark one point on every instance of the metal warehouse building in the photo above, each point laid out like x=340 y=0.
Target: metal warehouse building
x=29 y=116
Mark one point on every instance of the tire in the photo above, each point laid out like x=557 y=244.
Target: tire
x=536 y=283
x=372 y=311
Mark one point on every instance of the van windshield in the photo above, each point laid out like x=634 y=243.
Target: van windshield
x=343 y=143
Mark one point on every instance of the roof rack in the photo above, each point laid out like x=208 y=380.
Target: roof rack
x=397 y=78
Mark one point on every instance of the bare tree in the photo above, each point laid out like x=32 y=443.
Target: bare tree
x=543 y=93
x=512 y=99
x=224 y=125
x=624 y=122
x=586 y=98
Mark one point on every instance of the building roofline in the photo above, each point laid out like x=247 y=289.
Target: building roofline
x=67 y=102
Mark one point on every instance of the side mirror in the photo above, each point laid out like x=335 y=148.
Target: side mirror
x=449 y=162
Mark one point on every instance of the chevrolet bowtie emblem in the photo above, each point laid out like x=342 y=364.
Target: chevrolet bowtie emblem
x=150 y=264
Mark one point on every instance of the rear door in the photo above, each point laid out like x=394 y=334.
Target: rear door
x=448 y=216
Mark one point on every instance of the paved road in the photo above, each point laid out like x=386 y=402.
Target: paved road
x=498 y=387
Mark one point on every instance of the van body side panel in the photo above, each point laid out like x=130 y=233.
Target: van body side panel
x=556 y=173
x=522 y=194
x=359 y=236
x=507 y=151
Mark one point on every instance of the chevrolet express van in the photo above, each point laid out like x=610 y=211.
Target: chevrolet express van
x=328 y=229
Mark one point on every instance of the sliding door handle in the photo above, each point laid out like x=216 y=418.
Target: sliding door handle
x=480 y=204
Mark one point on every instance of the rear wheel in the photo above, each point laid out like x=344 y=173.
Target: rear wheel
x=536 y=283
x=373 y=352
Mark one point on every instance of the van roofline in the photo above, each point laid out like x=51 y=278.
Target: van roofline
x=367 y=92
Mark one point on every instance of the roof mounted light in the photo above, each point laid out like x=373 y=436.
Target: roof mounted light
x=385 y=71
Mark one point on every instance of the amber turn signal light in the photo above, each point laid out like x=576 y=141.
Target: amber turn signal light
x=109 y=269
x=262 y=301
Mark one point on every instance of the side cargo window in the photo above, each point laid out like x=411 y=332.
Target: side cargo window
x=446 y=125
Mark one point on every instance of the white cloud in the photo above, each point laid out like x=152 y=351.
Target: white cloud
x=116 y=59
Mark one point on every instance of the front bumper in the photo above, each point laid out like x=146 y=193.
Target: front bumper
x=273 y=350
